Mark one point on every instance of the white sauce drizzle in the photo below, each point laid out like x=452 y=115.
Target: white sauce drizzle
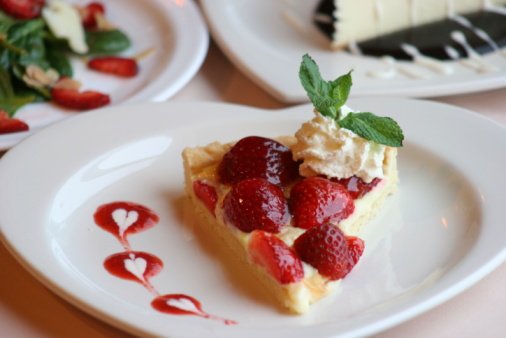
x=488 y=6
x=413 y=16
x=184 y=304
x=427 y=62
x=379 y=15
x=354 y=48
x=386 y=73
x=474 y=60
x=124 y=219
x=452 y=52
x=136 y=266
x=413 y=73
x=479 y=32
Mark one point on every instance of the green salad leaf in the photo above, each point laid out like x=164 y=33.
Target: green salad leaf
x=31 y=42
x=329 y=96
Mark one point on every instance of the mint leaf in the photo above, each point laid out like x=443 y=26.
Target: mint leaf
x=327 y=97
x=342 y=87
x=382 y=130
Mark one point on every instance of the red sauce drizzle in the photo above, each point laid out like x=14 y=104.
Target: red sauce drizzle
x=136 y=266
x=178 y=304
x=125 y=218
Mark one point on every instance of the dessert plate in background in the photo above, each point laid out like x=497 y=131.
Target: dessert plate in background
x=174 y=29
x=439 y=234
x=267 y=38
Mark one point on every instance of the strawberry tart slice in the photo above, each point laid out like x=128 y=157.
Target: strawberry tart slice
x=292 y=207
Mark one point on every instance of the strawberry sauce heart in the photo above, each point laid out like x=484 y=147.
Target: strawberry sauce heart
x=179 y=304
x=124 y=218
x=136 y=266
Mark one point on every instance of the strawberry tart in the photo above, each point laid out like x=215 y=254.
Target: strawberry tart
x=292 y=208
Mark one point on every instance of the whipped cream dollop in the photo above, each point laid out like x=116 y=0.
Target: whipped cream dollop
x=327 y=149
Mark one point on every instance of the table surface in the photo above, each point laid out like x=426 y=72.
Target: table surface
x=28 y=309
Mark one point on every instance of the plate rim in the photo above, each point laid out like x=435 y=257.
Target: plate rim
x=224 y=34
x=38 y=139
x=187 y=21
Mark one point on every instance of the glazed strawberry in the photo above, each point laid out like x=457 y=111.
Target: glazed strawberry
x=356 y=247
x=89 y=14
x=206 y=194
x=326 y=249
x=356 y=186
x=275 y=256
x=315 y=200
x=119 y=66
x=259 y=157
x=256 y=204
x=10 y=125
x=22 y=9
x=72 y=98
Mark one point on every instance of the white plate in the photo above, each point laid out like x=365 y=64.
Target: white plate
x=442 y=232
x=266 y=40
x=177 y=31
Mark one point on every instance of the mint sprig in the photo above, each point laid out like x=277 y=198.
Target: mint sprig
x=329 y=96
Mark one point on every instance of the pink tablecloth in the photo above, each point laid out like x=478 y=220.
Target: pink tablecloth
x=28 y=309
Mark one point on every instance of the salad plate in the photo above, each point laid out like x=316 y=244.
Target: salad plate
x=175 y=34
x=447 y=217
x=264 y=38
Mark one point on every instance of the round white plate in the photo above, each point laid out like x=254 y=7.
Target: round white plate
x=267 y=38
x=440 y=233
x=179 y=36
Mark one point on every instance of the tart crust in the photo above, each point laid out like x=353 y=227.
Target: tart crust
x=201 y=163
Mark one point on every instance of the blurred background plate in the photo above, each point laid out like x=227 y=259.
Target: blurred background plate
x=174 y=28
x=267 y=38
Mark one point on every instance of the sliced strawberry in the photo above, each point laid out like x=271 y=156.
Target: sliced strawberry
x=275 y=256
x=89 y=14
x=256 y=204
x=10 y=125
x=356 y=186
x=206 y=194
x=119 y=66
x=356 y=246
x=259 y=157
x=72 y=98
x=316 y=200
x=327 y=249
x=22 y=9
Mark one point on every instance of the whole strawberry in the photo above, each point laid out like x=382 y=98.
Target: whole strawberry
x=328 y=250
x=316 y=200
x=256 y=204
x=275 y=256
x=259 y=157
